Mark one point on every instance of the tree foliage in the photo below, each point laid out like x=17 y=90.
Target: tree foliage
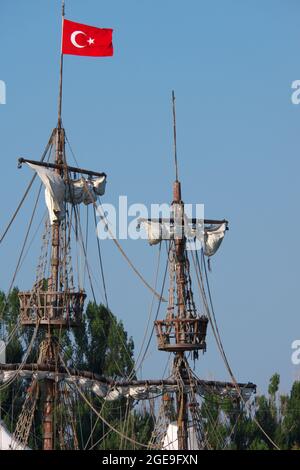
x=102 y=345
x=278 y=415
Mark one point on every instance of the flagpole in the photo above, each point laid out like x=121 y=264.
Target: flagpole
x=61 y=66
x=174 y=134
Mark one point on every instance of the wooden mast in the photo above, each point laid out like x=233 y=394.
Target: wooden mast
x=52 y=305
x=51 y=352
x=183 y=329
x=59 y=160
x=178 y=206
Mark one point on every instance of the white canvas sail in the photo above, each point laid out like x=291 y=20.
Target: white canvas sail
x=58 y=192
x=210 y=237
x=213 y=237
x=7 y=442
x=171 y=438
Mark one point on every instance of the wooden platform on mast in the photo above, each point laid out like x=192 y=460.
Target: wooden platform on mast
x=61 y=309
x=179 y=335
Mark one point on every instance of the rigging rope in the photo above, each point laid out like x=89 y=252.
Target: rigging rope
x=106 y=223
x=95 y=301
x=100 y=260
x=157 y=313
x=150 y=313
x=22 y=364
x=26 y=191
x=118 y=245
x=19 y=262
x=133 y=441
x=219 y=341
x=25 y=419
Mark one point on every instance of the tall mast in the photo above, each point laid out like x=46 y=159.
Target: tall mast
x=178 y=208
x=59 y=160
x=51 y=304
x=50 y=350
x=183 y=330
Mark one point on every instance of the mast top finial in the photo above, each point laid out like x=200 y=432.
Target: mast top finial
x=174 y=133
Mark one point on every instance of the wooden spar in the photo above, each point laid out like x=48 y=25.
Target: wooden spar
x=193 y=221
x=120 y=383
x=59 y=166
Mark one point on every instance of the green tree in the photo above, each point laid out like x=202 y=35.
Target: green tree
x=100 y=345
x=291 y=418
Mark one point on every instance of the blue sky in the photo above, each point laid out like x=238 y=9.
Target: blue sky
x=231 y=64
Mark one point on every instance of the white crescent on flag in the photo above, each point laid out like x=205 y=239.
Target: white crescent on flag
x=73 y=39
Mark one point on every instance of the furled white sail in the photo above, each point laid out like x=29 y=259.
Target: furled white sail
x=58 y=192
x=210 y=237
x=7 y=442
x=213 y=237
x=111 y=392
x=156 y=231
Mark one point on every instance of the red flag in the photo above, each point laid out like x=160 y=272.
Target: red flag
x=80 y=39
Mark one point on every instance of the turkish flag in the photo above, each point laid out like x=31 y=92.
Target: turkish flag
x=80 y=39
